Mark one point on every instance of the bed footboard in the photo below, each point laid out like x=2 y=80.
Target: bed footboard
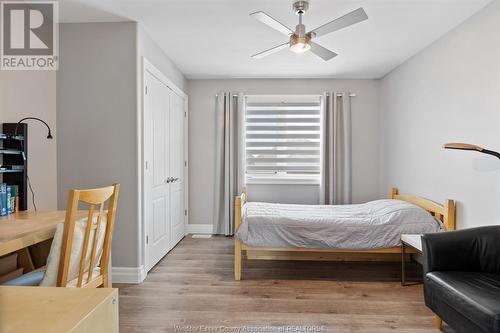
x=239 y=201
x=237 y=243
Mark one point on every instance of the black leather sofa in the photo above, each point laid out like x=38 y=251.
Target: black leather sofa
x=462 y=278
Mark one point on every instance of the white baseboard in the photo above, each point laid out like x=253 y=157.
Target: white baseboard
x=199 y=229
x=134 y=275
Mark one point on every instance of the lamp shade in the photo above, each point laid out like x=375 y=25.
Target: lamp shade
x=468 y=146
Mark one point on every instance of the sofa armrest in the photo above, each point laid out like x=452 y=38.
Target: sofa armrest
x=468 y=250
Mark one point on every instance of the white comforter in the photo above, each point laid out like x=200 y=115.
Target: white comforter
x=372 y=225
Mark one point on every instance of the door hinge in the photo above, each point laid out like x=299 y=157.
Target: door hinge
x=147 y=165
x=147 y=239
x=185 y=114
x=146 y=90
x=185 y=212
x=185 y=163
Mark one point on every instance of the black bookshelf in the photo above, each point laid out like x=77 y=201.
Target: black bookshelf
x=14 y=159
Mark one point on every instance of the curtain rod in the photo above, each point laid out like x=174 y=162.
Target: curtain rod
x=236 y=95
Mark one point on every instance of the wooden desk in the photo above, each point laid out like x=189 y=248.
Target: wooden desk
x=22 y=229
x=26 y=228
x=37 y=309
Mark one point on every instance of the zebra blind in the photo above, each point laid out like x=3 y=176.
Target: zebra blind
x=283 y=142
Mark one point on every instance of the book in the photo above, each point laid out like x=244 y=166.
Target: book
x=3 y=199
x=9 y=199
x=14 y=195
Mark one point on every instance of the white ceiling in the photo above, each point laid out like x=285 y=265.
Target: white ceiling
x=215 y=38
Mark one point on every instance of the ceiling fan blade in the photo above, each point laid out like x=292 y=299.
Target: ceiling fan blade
x=269 y=21
x=270 y=51
x=351 y=18
x=322 y=52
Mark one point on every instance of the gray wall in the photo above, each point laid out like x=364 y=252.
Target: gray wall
x=33 y=93
x=149 y=49
x=96 y=121
x=449 y=92
x=201 y=140
x=98 y=105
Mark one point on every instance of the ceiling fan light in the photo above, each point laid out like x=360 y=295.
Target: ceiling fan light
x=299 y=44
x=300 y=47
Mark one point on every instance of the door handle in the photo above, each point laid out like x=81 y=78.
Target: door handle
x=171 y=180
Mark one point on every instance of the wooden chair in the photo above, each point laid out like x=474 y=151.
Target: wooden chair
x=91 y=273
x=95 y=199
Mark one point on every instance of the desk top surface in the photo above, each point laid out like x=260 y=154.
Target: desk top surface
x=414 y=240
x=41 y=309
x=20 y=224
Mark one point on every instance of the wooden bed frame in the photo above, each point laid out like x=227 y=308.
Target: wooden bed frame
x=445 y=213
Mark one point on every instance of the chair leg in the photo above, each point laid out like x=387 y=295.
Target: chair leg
x=439 y=322
x=237 y=260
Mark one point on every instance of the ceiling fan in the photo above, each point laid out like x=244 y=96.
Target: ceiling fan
x=300 y=40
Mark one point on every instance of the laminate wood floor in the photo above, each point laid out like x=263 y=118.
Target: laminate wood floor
x=192 y=290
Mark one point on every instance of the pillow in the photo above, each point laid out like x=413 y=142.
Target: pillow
x=50 y=277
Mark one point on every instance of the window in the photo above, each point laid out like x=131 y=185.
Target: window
x=282 y=140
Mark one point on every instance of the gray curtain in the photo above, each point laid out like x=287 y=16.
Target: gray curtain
x=336 y=182
x=229 y=116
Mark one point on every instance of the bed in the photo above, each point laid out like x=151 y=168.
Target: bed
x=369 y=231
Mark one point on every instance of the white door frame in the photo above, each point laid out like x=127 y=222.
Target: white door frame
x=147 y=66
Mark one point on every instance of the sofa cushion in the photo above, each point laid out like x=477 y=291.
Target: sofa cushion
x=474 y=295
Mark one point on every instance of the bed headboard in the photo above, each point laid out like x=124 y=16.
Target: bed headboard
x=445 y=212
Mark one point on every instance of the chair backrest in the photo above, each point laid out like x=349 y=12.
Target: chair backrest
x=95 y=199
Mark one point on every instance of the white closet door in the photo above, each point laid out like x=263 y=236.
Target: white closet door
x=176 y=168
x=157 y=189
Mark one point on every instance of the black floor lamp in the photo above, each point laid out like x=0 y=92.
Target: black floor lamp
x=466 y=146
